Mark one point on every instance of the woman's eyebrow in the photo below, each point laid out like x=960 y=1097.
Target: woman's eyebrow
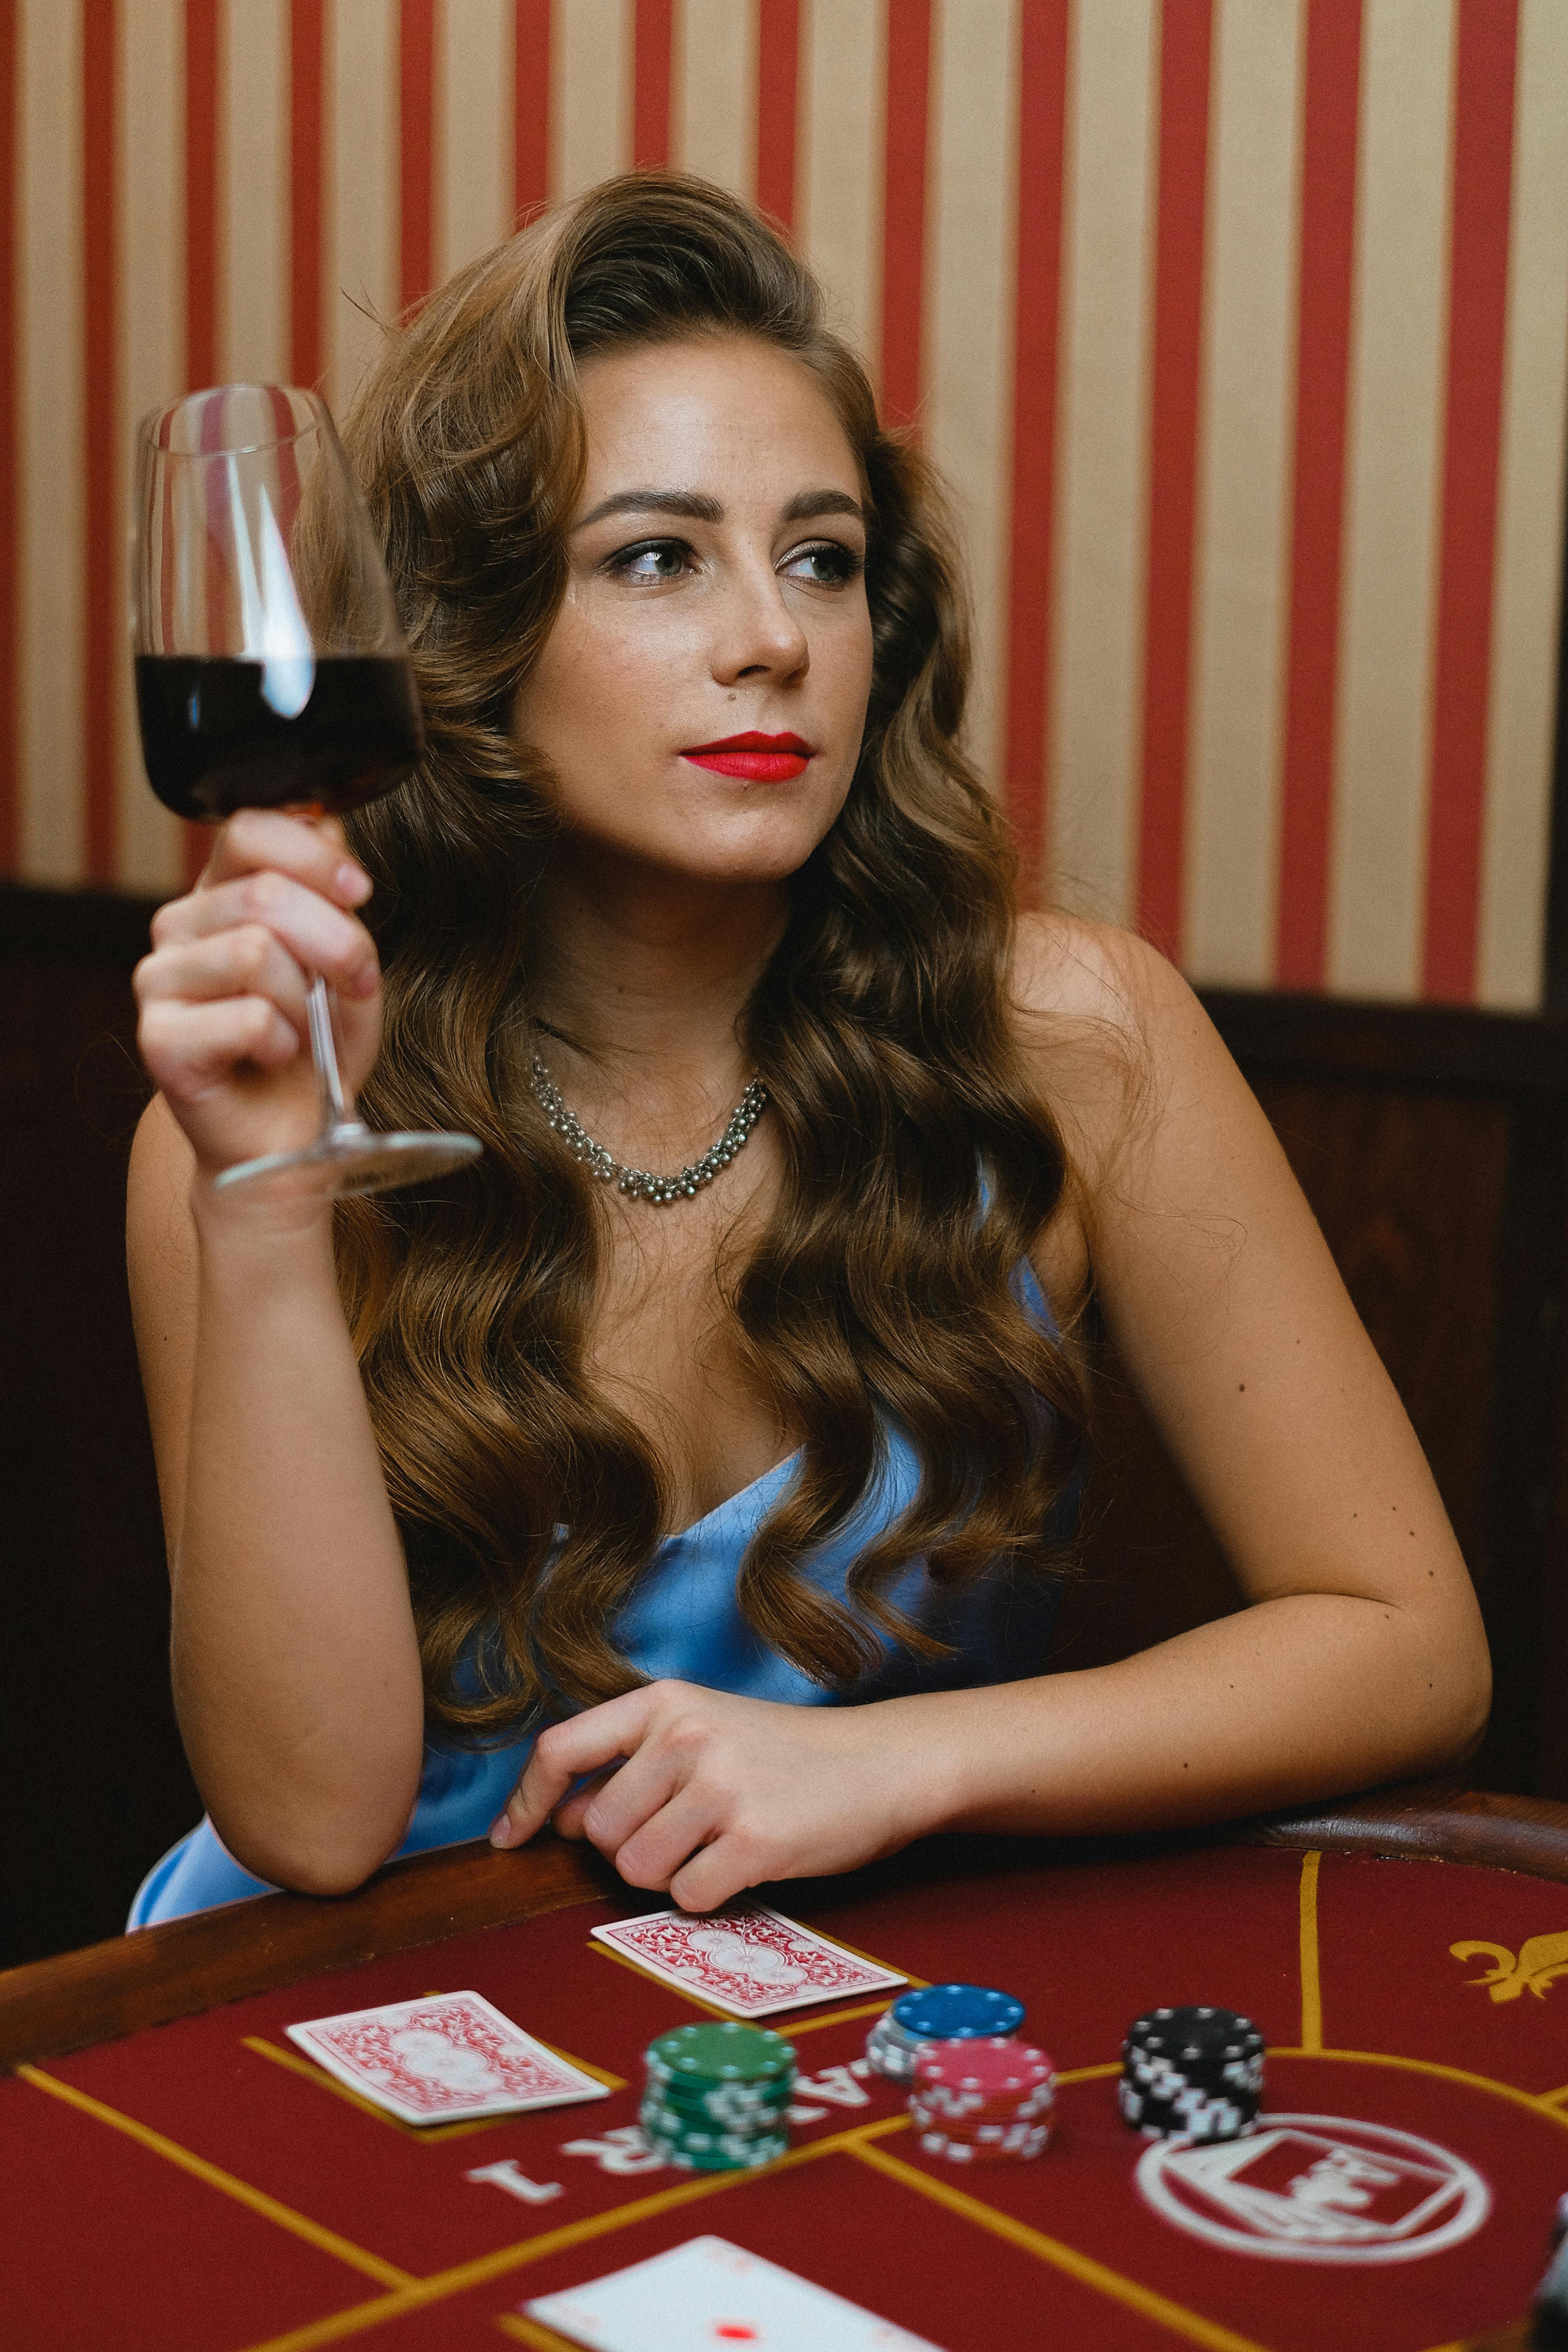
x=692 y=504
x=696 y=507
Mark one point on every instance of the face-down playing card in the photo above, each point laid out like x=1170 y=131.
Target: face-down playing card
x=446 y=2056
x=708 y=2294
x=745 y=1959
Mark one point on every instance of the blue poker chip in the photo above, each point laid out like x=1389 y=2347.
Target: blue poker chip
x=958 y=2012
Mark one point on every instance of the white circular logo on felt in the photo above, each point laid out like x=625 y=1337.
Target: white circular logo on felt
x=1318 y=2189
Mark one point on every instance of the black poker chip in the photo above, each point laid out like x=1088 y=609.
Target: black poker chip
x=1196 y=2073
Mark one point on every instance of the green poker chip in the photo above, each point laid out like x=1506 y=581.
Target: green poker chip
x=725 y=2101
x=722 y=2053
x=717 y=2096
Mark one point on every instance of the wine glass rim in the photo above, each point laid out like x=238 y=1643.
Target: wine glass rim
x=146 y=428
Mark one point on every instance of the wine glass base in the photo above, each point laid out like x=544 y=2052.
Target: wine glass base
x=352 y=1157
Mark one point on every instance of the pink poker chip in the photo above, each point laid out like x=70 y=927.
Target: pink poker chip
x=992 y=2068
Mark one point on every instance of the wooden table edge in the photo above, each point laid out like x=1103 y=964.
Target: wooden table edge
x=51 y=2006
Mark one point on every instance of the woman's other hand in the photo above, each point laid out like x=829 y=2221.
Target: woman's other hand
x=703 y=1794
x=223 y=1024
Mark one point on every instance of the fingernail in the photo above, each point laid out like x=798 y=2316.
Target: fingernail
x=497 y=1830
x=353 y=881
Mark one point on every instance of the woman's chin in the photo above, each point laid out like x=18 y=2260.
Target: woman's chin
x=724 y=858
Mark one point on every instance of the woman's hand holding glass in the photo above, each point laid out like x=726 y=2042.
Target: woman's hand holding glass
x=223 y=1026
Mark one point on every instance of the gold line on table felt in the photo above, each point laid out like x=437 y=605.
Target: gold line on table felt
x=429 y=2133
x=326 y=2241
x=1311 y=1987
x=1511 y=2091
x=528 y=2331
x=419 y=2292
x=1082 y=2267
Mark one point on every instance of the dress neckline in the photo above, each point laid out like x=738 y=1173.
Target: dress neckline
x=742 y=1496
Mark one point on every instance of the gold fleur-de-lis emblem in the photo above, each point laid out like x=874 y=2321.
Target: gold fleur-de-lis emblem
x=1540 y=1961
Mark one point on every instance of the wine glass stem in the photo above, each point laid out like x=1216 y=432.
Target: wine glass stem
x=337 y=1107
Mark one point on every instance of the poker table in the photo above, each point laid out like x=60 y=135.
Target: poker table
x=176 y=2177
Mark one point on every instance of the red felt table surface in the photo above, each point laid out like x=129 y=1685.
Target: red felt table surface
x=200 y=2186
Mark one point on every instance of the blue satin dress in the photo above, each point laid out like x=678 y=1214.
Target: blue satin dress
x=682 y=1621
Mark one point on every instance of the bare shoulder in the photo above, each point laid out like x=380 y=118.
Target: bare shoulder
x=1068 y=971
x=1106 y=1027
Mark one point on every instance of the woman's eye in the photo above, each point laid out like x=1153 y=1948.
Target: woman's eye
x=657 y=559
x=827 y=565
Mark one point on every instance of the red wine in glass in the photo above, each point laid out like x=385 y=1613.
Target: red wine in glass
x=272 y=672
x=213 y=742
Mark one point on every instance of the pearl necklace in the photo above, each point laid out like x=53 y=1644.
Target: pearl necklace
x=639 y=1184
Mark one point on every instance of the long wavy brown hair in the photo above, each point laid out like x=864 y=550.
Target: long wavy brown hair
x=918 y=1166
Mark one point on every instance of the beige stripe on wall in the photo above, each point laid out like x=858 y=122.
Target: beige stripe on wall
x=591 y=62
x=970 y=257
x=473 y=125
x=1102 y=453
x=50 y=422
x=253 y=161
x=714 y=92
x=1241 y=603
x=150 y=201
x=1529 y=535
x=839 y=161
x=1394 y=477
x=359 y=289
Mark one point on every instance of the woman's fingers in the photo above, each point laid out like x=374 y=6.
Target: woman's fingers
x=566 y=1820
x=249 y=961
x=711 y=1875
x=189 y=1048
x=654 y=1854
x=311 y=849
x=584 y=1743
x=321 y=936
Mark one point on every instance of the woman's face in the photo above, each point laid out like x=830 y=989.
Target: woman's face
x=716 y=598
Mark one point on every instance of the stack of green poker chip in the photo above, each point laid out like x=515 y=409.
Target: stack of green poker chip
x=717 y=2096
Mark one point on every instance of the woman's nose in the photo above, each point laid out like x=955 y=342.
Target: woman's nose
x=758 y=632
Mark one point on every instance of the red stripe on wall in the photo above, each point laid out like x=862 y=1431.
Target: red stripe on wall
x=1185 y=54
x=201 y=193
x=201 y=248
x=1330 y=109
x=10 y=749
x=904 y=205
x=778 y=73
x=1042 y=115
x=654 y=35
x=104 y=587
x=1483 y=164
x=417 y=147
x=306 y=65
x=530 y=113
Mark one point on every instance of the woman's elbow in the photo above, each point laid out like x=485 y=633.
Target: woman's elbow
x=308 y=1858
x=1459 y=1707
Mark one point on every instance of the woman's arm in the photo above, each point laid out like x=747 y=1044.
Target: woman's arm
x=1362 y=1656
x=295 y=1666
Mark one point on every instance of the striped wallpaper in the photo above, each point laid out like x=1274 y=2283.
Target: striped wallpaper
x=1241 y=328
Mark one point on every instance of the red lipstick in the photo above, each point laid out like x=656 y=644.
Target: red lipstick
x=755 y=758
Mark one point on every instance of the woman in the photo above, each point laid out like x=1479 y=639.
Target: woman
x=748 y=1488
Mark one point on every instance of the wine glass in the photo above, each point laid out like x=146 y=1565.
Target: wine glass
x=271 y=672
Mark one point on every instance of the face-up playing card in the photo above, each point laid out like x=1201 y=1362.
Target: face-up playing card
x=745 y=1958
x=450 y=2056
x=708 y=2294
